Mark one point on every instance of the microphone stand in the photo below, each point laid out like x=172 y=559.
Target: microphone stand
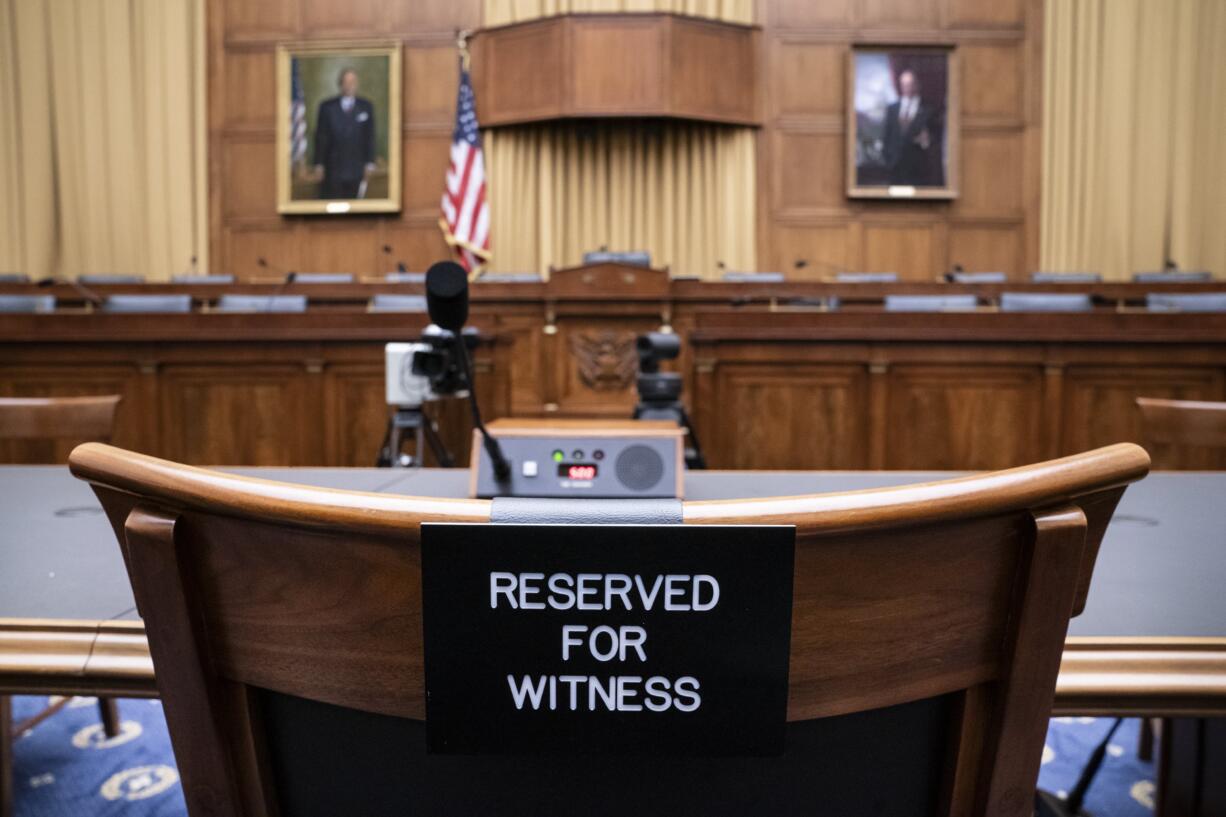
x=502 y=469
x=88 y=295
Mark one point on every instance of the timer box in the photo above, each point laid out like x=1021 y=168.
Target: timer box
x=599 y=459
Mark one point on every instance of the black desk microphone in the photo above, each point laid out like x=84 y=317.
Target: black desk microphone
x=447 y=303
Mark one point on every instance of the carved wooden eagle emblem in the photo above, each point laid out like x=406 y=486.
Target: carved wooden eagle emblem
x=607 y=360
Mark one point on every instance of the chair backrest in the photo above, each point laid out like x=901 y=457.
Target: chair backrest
x=383 y=302
x=216 y=278
x=511 y=277
x=45 y=429
x=866 y=277
x=1045 y=302
x=261 y=303
x=927 y=629
x=405 y=277
x=1172 y=277
x=636 y=258
x=1186 y=301
x=930 y=303
x=1047 y=277
x=147 y=303
x=1187 y=434
x=979 y=277
x=753 y=277
x=104 y=278
x=323 y=278
x=27 y=303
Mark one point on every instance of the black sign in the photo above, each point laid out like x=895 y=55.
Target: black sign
x=606 y=639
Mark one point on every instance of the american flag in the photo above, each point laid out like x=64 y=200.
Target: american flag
x=466 y=213
x=297 y=119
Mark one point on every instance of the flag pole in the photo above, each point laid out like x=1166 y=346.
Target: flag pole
x=455 y=243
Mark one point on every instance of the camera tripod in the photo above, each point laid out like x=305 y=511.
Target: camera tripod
x=425 y=432
x=675 y=411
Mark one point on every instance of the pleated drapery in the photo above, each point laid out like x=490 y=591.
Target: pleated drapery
x=1134 y=163
x=102 y=139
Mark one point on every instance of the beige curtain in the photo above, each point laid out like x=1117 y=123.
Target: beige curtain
x=682 y=191
x=501 y=12
x=1133 y=165
x=102 y=141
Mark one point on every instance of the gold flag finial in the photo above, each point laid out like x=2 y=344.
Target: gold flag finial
x=461 y=44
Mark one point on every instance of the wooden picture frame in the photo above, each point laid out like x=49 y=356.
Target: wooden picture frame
x=356 y=167
x=894 y=153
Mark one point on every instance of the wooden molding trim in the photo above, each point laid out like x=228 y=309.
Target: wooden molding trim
x=1184 y=677
x=1172 y=677
x=43 y=656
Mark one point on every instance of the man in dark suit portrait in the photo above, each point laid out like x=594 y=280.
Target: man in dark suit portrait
x=344 y=141
x=912 y=141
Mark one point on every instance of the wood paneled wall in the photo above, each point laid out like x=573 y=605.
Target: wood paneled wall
x=244 y=225
x=803 y=211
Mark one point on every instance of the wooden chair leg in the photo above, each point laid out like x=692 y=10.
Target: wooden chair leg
x=6 y=756
x=1145 y=741
x=108 y=708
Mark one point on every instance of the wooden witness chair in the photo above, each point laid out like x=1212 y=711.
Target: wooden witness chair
x=58 y=421
x=52 y=420
x=928 y=625
x=1187 y=434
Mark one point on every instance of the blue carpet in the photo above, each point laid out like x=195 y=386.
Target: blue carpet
x=65 y=767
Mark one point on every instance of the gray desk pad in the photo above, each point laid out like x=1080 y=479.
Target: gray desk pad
x=1161 y=570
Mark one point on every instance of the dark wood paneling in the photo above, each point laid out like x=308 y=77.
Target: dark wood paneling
x=68 y=379
x=357 y=412
x=226 y=413
x=801 y=154
x=617 y=65
x=244 y=224
x=783 y=416
x=979 y=417
x=1100 y=401
x=769 y=386
x=801 y=87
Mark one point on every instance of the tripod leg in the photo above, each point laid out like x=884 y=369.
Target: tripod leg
x=394 y=442
x=697 y=461
x=419 y=442
x=445 y=460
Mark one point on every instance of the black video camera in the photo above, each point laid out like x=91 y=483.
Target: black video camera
x=439 y=364
x=655 y=386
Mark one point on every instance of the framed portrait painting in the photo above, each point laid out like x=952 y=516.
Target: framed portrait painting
x=338 y=128
x=902 y=132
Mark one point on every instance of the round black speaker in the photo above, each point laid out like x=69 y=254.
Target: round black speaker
x=639 y=468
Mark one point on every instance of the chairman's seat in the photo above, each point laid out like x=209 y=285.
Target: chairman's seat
x=927 y=630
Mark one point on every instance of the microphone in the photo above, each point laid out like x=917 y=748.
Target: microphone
x=447 y=304
x=400 y=267
x=447 y=295
x=85 y=292
x=263 y=263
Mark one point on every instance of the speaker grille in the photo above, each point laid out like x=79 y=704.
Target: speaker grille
x=639 y=468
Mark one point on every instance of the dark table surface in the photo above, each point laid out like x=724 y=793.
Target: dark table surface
x=1161 y=570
